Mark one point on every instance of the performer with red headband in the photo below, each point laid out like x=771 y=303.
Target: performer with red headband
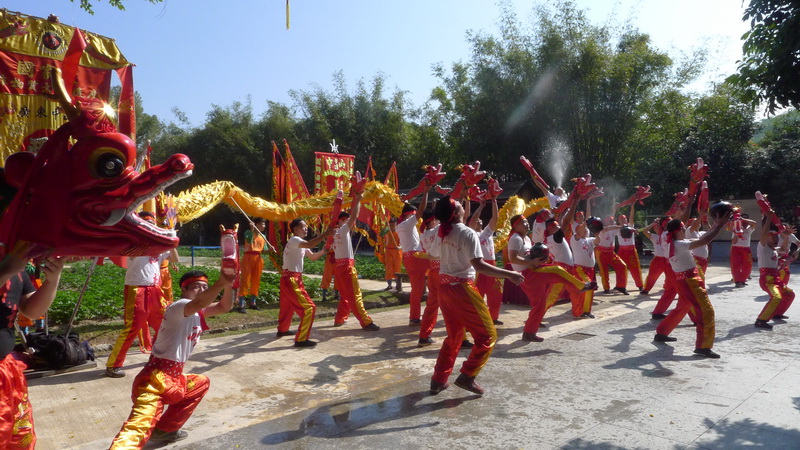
x=608 y=258
x=345 y=275
x=18 y=295
x=431 y=244
x=788 y=243
x=392 y=254
x=162 y=383
x=539 y=226
x=582 y=246
x=627 y=248
x=741 y=254
x=461 y=303
x=414 y=261
x=658 y=265
x=694 y=231
x=691 y=293
x=490 y=287
x=293 y=295
x=780 y=296
x=144 y=304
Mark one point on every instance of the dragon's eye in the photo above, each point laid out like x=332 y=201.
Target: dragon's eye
x=107 y=163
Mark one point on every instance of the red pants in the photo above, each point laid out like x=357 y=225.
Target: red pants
x=586 y=275
x=780 y=296
x=741 y=263
x=492 y=288
x=431 y=313
x=463 y=307
x=295 y=299
x=250 y=279
x=392 y=261
x=538 y=284
x=691 y=297
x=658 y=265
x=702 y=266
x=557 y=291
x=606 y=257
x=16 y=414
x=416 y=268
x=630 y=257
x=350 y=299
x=669 y=291
x=161 y=383
x=144 y=308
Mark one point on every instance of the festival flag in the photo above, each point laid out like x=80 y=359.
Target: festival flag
x=30 y=48
x=332 y=171
x=295 y=186
x=366 y=214
x=276 y=231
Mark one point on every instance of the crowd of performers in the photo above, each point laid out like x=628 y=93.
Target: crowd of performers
x=444 y=248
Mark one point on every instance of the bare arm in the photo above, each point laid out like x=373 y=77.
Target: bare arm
x=484 y=268
x=712 y=233
x=495 y=214
x=539 y=185
x=515 y=258
x=474 y=219
x=204 y=299
x=36 y=303
x=354 y=210
x=423 y=203
x=313 y=242
x=317 y=255
x=765 y=228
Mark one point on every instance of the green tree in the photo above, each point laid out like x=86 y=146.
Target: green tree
x=87 y=4
x=774 y=164
x=768 y=71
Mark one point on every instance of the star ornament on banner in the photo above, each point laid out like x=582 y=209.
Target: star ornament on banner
x=334 y=147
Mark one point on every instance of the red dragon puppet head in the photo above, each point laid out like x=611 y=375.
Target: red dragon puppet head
x=80 y=199
x=433 y=175
x=470 y=176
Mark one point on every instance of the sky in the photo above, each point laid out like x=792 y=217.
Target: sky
x=192 y=54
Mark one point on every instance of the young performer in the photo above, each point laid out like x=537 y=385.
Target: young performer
x=462 y=305
x=490 y=287
x=252 y=263
x=392 y=254
x=416 y=265
x=608 y=258
x=741 y=255
x=700 y=254
x=582 y=246
x=293 y=295
x=627 y=248
x=780 y=296
x=659 y=262
x=19 y=296
x=345 y=275
x=788 y=243
x=691 y=293
x=431 y=244
x=162 y=383
x=144 y=304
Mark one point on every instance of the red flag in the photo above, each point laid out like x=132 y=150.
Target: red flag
x=367 y=212
x=332 y=172
x=295 y=186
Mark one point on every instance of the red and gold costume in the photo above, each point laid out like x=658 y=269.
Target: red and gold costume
x=540 y=288
x=293 y=292
x=780 y=296
x=350 y=299
x=608 y=258
x=741 y=256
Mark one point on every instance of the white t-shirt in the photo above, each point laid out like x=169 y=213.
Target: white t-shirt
x=553 y=199
x=682 y=260
x=487 y=243
x=178 y=335
x=145 y=270
x=431 y=242
x=606 y=238
x=767 y=257
x=342 y=245
x=583 y=251
x=702 y=251
x=459 y=248
x=744 y=241
x=658 y=247
x=560 y=250
x=293 y=254
x=626 y=242
x=792 y=240
x=408 y=234
x=522 y=246
x=537 y=231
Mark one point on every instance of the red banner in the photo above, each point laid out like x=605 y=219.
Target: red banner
x=332 y=171
x=295 y=186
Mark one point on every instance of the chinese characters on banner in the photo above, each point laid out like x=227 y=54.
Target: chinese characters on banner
x=332 y=171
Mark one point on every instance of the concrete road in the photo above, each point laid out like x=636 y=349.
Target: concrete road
x=593 y=383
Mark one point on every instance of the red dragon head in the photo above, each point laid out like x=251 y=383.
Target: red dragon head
x=81 y=199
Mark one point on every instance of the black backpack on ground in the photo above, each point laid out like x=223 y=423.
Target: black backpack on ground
x=57 y=352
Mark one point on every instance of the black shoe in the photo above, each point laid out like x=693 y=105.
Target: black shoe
x=531 y=337
x=588 y=315
x=114 y=372
x=371 y=327
x=425 y=342
x=336 y=295
x=497 y=322
x=664 y=338
x=388 y=288
x=305 y=344
x=738 y=285
x=606 y=291
x=240 y=309
x=780 y=317
x=763 y=324
x=466 y=344
x=165 y=437
x=339 y=324
x=706 y=353
x=324 y=295
x=622 y=290
x=658 y=316
x=412 y=322
x=255 y=307
x=644 y=292
x=468 y=383
x=284 y=333
x=542 y=325
x=437 y=387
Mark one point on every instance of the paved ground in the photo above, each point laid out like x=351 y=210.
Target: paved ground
x=591 y=384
